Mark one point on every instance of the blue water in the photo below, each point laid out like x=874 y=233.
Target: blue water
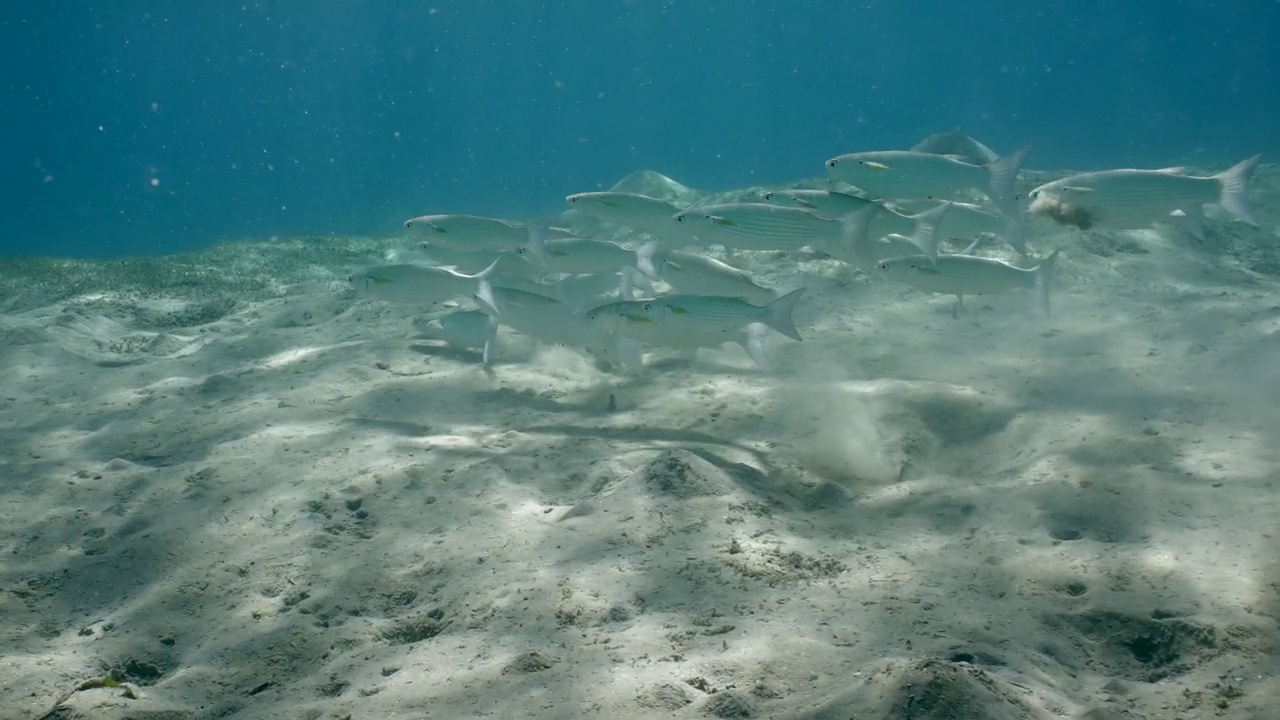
x=157 y=127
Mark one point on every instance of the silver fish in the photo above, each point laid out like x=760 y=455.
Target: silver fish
x=957 y=144
x=962 y=275
x=638 y=212
x=688 y=314
x=470 y=232
x=892 y=174
x=471 y=261
x=861 y=248
x=586 y=256
x=415 y=284
x=692 y=273
x=964 y=221
x=757 y=226
x=542 y=318
x=1137 y=198
x=829 y=203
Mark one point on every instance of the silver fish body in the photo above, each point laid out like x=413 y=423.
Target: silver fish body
x=543 y=319
x=470 y=232
x=1130 y=198
x=957 y=144
x=893 y=174
x=583 y=256
x=711 y=315
x=691 y=273
x=757 y=226
x=828 y=203
x=863 y=248
x=473 y=261
x=962 y=275
x=412 y=284
x=963 y=221
x=638 y=212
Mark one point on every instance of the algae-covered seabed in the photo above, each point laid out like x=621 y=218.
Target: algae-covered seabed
x=238 y=490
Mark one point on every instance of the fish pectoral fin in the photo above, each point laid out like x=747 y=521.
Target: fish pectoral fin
x=674 y=265
x=1173 y=171
x=875 y=165
x=927 y=269
x=716 y=219
x=1078 y=188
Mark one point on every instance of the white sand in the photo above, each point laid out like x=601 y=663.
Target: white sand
x=237 y=486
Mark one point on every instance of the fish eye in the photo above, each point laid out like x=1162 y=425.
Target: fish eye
x=883 y=266
x=832 y=163
x=679 y=218
x=648 y=307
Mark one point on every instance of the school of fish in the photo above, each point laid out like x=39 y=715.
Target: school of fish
x=619 y=273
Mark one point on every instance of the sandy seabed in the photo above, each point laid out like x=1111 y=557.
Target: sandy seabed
x=231 y=488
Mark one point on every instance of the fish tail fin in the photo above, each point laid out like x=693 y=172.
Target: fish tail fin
x=490 y=342
x=639 y=281
x=1235 y=184
x=1004 y=179
x=752 y=341
x=779 y=316
x=854 y=230
x=1045 y=272
x=484 y=298
x=625 y=283
x=535 y=251
x=925 y=236
x=1015 y=233
x=644 y=259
